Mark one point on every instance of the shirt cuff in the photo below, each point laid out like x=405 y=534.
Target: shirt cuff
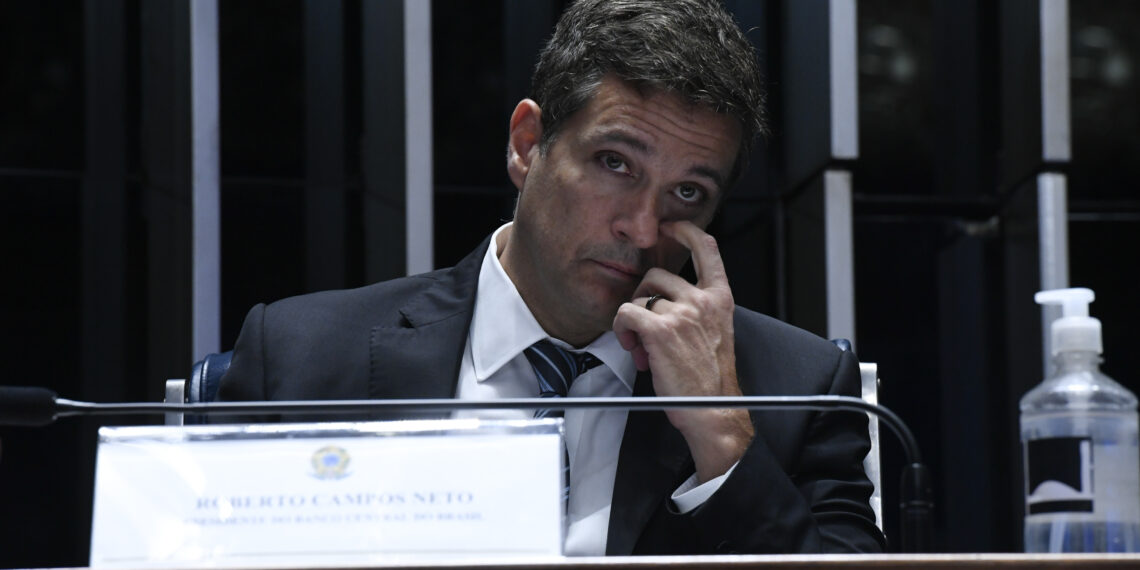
x=690 y=495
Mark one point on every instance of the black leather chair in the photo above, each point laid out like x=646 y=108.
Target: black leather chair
x=842 y=343
x=201 y=387
x=207 y=373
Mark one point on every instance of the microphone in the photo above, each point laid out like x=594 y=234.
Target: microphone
x=20 y=406
x=39 y=406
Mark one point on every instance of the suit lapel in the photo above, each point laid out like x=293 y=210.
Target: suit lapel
x=652 y=463
x=421 y=357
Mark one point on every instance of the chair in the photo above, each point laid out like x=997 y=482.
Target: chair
x=202 y=386
x=869 y=377
x=207 y=373
x=869 y=372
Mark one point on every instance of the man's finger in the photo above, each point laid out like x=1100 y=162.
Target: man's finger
x=652 y=300
x=627 y=338
x=658 y=281
x=706 y=253
x=625 y=327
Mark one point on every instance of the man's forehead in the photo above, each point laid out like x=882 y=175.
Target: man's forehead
x=632 y=92
x=619 y=113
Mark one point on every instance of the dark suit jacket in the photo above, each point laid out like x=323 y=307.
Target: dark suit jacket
x=799 y=488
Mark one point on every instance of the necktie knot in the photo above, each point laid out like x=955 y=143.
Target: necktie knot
x=556 y=368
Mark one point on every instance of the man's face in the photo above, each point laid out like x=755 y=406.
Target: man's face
x=587 y=227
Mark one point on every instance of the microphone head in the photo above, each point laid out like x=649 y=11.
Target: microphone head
x=23 y=406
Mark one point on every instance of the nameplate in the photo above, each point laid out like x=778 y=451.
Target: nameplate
x=327 y=494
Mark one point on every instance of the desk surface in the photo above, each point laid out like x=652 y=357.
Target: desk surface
x=797 y=562
x=859 y=561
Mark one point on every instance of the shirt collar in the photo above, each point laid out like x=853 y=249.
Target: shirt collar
x=503 y=326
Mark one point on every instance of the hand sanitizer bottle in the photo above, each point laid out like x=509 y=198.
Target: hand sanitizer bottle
x=1079 y=444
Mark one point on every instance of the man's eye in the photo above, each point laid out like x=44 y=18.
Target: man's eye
x=689 y=193
x=614 y=162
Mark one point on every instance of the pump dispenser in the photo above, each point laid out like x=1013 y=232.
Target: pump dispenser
x=1079 y=442
x=1075 y=330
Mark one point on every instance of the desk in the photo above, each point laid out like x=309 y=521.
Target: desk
x=780 y=562
x=798 y=562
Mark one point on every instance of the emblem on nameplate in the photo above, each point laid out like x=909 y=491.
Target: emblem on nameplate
x=330 y=462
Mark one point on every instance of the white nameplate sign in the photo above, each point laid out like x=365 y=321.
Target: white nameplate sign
x=331 y=493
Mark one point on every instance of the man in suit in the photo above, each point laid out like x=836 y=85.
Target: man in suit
x=642 y=116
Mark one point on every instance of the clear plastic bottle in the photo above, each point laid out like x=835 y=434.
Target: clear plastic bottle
x=1079 y=443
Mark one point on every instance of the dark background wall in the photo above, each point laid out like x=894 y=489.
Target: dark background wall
x=91 y=176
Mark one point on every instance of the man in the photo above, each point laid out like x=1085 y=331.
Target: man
x=641 y=118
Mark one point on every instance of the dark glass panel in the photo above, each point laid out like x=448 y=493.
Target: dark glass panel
x=41 y=84
x=896 y=113
x=1105 y=81
x=262 y=88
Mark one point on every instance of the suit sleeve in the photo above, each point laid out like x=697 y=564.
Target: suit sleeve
x=245 y=378
x=816 y=504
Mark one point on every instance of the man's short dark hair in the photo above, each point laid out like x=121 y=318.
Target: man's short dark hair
x=690 y=48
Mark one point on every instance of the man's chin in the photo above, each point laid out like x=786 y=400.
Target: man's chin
x=599 y=315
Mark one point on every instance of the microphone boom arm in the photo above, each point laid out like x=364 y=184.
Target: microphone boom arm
x=39 y=406
x=65 y=407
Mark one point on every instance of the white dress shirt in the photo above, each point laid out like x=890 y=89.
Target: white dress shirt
x=494 y=367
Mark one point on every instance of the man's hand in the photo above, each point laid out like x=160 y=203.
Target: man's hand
x=687 y=342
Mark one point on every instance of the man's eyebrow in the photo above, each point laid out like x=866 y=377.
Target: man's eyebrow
x=710 y=173
x=622 y=137
x=618 y=136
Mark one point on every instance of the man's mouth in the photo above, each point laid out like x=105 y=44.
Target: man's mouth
x=621 y=270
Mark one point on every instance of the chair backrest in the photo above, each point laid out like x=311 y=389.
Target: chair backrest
x=201 y=387
x=206 y=376
x=869 y=376
x=869 y=372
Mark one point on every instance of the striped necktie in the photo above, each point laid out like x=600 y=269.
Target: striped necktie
x=556 y=368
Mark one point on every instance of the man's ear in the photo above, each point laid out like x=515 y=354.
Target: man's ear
x=523 y=145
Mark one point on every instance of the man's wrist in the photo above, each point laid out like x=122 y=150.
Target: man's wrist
x=720 y=442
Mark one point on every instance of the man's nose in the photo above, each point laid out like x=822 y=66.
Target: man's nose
x=639 y=222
